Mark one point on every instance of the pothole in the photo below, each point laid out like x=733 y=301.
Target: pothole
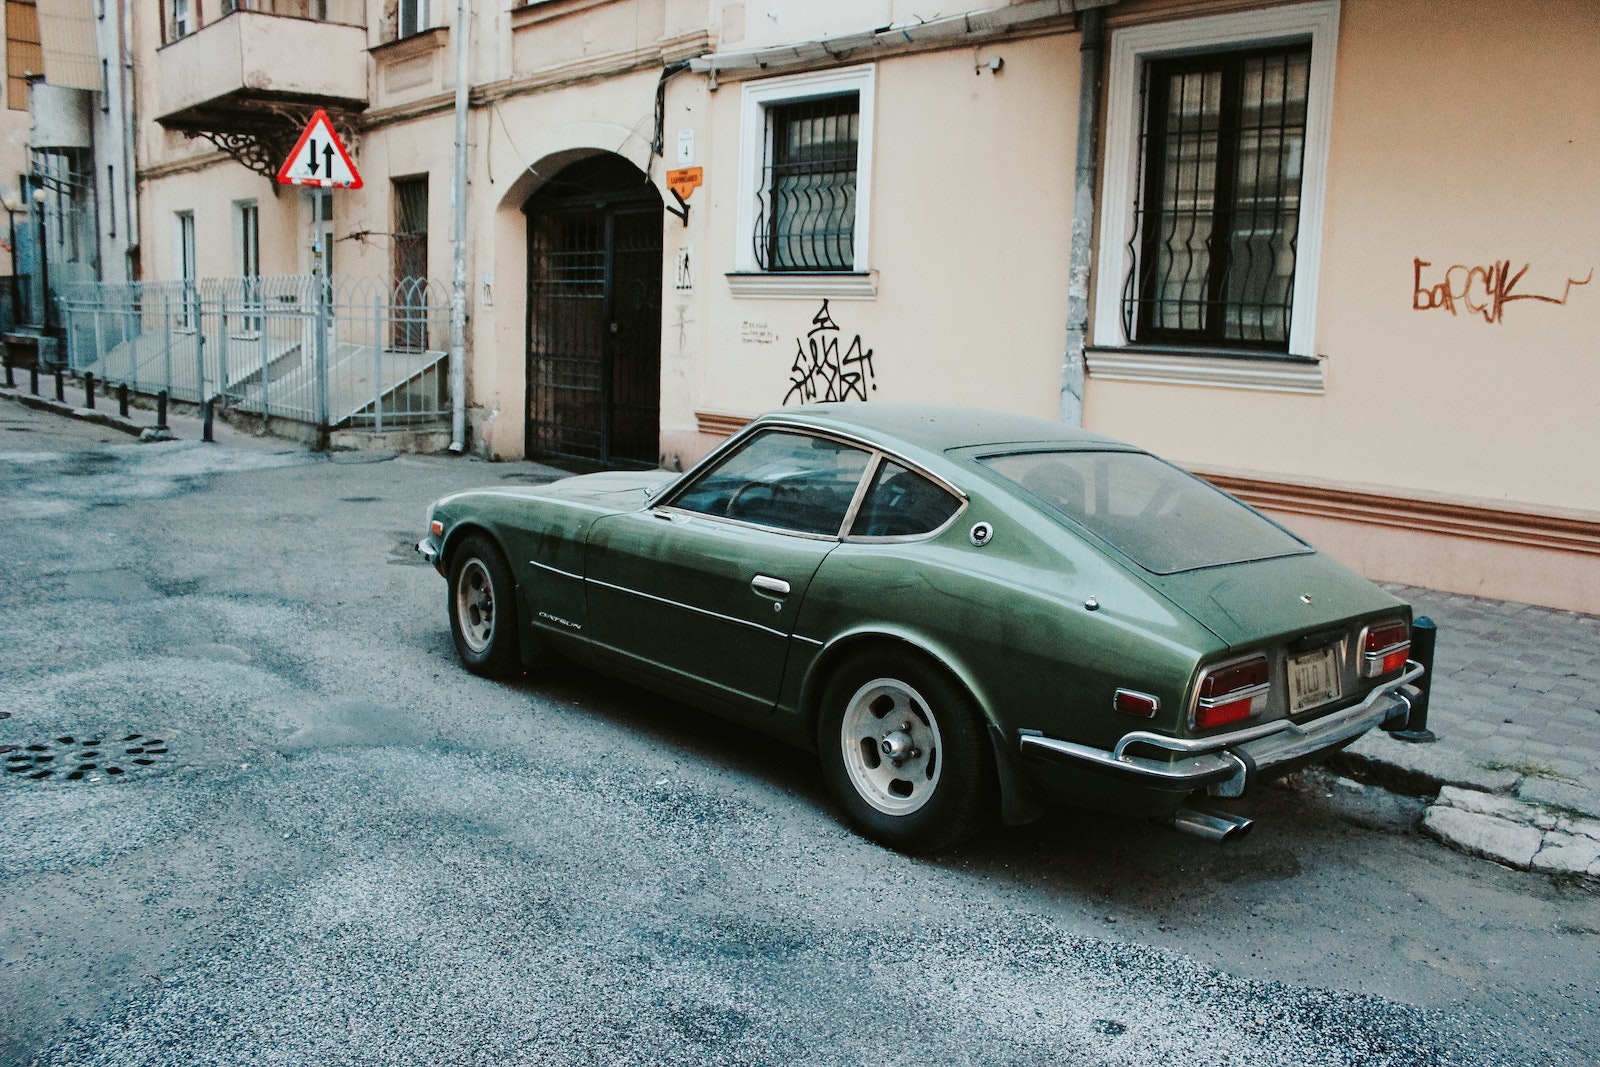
x=94 y=758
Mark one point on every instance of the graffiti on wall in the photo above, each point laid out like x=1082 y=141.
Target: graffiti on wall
x=1478 y=290
x=821 y=373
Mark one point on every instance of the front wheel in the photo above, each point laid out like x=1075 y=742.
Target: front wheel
x=483 y=613
x=903 y=750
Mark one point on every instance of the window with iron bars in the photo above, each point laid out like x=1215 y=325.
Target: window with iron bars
x=411 y=264
x=1222 y=151
x=806 y=200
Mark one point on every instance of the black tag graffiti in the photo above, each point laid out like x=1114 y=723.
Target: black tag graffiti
x=820 y=373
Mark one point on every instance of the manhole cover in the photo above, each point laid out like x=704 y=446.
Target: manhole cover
x=94 y=758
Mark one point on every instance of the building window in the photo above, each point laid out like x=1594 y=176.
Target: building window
x=806 y=207
x=178 y=19
x=186 y=268
x=413 y=17
x=1216 y=160
x=1217 y=218
x=248 y=215
x=24 y=55
x=805 y=165
x=411 y=264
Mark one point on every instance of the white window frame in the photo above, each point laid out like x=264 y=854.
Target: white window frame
x=247 y=254
x=1131 y=49
x=757 y=97
x=187 y=270
x=419 y=18
x=247 y=236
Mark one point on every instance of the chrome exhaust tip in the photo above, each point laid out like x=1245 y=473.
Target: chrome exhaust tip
x=1211 y=825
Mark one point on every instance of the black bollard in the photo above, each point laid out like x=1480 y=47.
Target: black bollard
x=88 y=390
x=1424 y=635
x=161 y=410
x=11 y=382
x=61 y=388
x=33 y=380
x=122 y=400
x=206 y=416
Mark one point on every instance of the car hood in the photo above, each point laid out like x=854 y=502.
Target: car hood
x=616 y=489
x=1263 y=600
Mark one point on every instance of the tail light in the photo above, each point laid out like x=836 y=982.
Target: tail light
x=1228 y=694
x=1133 y=702
x=1385 y=648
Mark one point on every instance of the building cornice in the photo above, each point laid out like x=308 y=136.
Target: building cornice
x=157 y=171
x=593 y=68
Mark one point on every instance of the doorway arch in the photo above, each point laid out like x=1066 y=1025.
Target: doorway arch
x=594 y=315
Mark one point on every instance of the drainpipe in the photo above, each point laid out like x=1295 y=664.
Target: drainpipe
x=458 y=287
x=1083 y=197
x=130 y=137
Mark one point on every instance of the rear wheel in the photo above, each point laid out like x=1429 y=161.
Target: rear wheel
x=903 y=750
x=483 y=615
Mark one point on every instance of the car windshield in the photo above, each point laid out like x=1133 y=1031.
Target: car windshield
x=1163 y=519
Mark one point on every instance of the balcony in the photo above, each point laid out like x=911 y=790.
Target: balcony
x=261 y=67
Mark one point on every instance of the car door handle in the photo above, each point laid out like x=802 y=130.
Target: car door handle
x=761 y=583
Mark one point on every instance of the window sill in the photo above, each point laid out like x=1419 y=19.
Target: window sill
x=419 y=43
x=1218 y=369
x=861 y=285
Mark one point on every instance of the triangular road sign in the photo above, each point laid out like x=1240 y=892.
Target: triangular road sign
x=319 y=158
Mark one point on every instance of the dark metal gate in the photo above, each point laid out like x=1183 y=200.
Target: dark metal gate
x=594 y=315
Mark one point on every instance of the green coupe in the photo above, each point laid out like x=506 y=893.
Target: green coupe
x=961 y=612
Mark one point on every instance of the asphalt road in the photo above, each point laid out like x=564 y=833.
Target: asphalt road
x=342 y=848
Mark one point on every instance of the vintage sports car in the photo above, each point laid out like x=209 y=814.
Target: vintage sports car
x=960 y=611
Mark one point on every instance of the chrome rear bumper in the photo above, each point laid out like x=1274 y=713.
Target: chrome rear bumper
x=1226 y=763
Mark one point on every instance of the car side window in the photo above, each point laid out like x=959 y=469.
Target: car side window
x=902 y=503
x=782 y=479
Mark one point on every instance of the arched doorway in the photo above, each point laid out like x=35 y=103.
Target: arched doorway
x=594 y=315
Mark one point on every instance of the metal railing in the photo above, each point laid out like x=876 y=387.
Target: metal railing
x=357 y=354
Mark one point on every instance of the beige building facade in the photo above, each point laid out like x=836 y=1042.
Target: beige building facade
x=1338 y=255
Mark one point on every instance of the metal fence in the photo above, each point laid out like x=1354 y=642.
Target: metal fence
x=357 y=354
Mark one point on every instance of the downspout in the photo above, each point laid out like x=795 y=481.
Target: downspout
x=130 y=137
x=1083 y=197
x=458 y=286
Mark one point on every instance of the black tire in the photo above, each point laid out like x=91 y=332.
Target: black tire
x=483 y=609
x=921 y=789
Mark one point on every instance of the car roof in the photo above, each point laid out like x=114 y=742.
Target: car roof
x=939 y=428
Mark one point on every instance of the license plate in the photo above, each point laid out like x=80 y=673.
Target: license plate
x=1313 y=679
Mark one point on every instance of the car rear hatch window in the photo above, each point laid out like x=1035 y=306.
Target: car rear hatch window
x=1160 y=517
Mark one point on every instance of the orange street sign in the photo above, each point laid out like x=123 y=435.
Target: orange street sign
x=685 y=181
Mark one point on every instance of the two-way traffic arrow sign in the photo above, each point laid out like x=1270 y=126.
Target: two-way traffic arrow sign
x=319 y=158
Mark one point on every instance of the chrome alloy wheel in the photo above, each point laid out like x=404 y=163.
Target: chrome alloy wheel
x=475 y=605
x=891 y=746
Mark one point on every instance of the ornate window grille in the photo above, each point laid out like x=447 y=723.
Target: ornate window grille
x=1222 y=151
x=806 y=203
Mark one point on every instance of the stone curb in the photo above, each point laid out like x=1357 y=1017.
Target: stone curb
x=94 y=415
x=1514 y=832
x=1525 y=822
